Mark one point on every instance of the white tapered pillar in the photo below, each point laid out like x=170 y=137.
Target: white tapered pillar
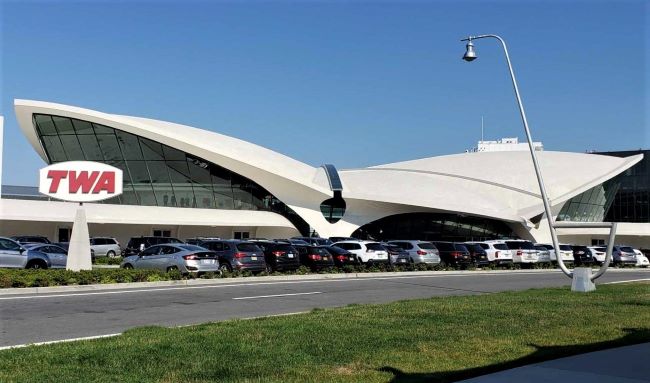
x=79 y=250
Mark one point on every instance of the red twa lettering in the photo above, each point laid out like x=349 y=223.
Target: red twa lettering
x=56 y=176
x=82 y=180
x=106 y=182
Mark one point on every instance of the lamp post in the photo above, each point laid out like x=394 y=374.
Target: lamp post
x=470 y=55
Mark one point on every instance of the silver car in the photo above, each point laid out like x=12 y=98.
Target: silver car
x=30 y=256
x=168 y=257
x=419 y=251
x=105 y=247
x=543 y=254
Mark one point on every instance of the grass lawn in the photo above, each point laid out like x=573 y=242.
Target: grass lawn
x=434 y=340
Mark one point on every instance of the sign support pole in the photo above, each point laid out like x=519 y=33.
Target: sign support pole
x=79 y=250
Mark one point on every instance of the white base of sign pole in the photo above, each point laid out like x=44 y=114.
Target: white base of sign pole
x=79 y=250
x=581 y=281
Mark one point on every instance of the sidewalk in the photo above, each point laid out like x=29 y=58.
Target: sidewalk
x=630 y=364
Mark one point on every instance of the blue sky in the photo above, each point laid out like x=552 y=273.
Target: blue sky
x=348 y=83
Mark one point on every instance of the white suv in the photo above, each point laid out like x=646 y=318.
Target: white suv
x=524 y=252
x=105 y=247
x=366 y=251
x=566 y=252
x=497 y=251
x=641 y=260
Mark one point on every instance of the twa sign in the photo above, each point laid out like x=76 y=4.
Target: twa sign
x=80 y=181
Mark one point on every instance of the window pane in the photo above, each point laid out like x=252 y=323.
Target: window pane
x=101 y=129
x=130 y=146
x=141 y=182
x=151 y=150
x=45 y=125
x=200 y=175
x=90 y=147
x=181 y=182
x=54 y=148
x=82 y=127
x=72 y=148
x=173 y=154
x=63 y=125
x=221 y=187
x=109 y=146
x=161 y=184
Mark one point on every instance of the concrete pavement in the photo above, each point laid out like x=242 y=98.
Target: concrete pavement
x=617 y=365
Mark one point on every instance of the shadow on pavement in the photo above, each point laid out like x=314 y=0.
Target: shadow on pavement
x=541 y=354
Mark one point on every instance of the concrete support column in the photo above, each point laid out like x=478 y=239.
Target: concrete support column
x=79 y=250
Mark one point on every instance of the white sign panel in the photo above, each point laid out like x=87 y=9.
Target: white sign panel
x=80 y=181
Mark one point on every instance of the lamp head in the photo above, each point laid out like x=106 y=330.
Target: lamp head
x=470 y=54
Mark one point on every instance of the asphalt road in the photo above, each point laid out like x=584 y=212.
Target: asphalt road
x=47 y=317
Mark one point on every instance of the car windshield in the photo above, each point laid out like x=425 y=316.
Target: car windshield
x=627 y=249
x=501 y=246
x=426 y=246
x=601 y=249
x=191 y=247
x=520 y=245
x=565 y=247
x=247 y=247
x=337 y=250
x=375 y=246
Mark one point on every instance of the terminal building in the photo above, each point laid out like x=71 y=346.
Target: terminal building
x=184 y=182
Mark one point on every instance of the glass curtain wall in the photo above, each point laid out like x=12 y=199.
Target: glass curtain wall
x=155 y=174
x=434 y=226
x=590 y=206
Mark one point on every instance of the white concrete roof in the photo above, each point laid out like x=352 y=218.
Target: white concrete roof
x=500 y=185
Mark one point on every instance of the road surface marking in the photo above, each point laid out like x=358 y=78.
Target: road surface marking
x=629 y=280
x=59 y=341
x=278 y=295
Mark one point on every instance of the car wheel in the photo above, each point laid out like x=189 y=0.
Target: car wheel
x=111 y=254
x=128 y=266
x=36 y=265
x=172 y=268
x=225 y=267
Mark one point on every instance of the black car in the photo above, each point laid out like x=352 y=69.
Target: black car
x=341 y=239
x=31 y=239
x=315 y=257
x=279 y=256
x=342 y=257
x=137 y=244
x=582 y=255
x=315 y=241
x=478 y=254
x=453 y=253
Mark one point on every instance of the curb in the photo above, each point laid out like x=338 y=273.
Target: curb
x=275 y=278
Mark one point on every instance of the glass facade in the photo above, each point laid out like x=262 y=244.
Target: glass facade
x=333 y=208
x=434 y=226
x=155 y=174
x=590 y=206
x=632 y=200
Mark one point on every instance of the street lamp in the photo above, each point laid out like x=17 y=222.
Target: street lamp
x=470 y=55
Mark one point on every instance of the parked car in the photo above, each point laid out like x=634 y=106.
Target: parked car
x=315 y=257
x=198 y=240
x=341 y=239
x=478 y=254
x=367 y=252
x=566 y=252
x=45 y=256
x=598 y=253
x=419 y=251
x=543 y=254
x=341 y=256
x=497 y=251
x=30 y=239
x=235 y=254
x=583 y=255
x=396 y=255
x=279 y=256
x=137 y=244
x=453 y=254
x=524 y=251
x=182 y=257
x=621 y=255
x=66 y=247
x=641 y=259
x=315 y=241
x=293 y=241
x=105 y=247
